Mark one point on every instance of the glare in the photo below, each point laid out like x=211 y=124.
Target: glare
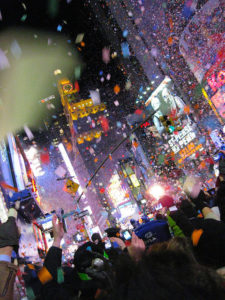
x=156 y=191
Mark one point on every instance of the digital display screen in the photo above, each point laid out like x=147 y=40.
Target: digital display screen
x=166 y=102
x=184 y=143
x=127 y=235
x=47 y=225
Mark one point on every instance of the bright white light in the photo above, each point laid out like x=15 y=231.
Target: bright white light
x=69 y=166
x=224 y=129
x=156 y=191
x=116 y=192
x=34 y=160
x=88 y=218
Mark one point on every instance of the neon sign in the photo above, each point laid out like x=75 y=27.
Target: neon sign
x=183 y=138
x=146 y=124
x=215 y=82
x=188 y=151
x=219 y=102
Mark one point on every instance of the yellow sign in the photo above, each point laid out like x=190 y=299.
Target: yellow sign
x=71 y=186
x=188 y=151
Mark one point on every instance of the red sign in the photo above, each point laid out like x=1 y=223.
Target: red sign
x=216 y=80
x=146 y=124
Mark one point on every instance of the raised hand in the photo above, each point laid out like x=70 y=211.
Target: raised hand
x=58 y=231
x=137 y=247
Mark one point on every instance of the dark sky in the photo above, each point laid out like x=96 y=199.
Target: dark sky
x=75 y=16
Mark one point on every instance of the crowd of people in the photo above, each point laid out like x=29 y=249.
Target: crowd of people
x=179 y=255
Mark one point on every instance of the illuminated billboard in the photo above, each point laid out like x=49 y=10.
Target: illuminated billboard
x=3 y=208
x=202 y=46
x=5 y=168
x=116 y=192
x=165 y=100
x=185 y=143
x=16 y=162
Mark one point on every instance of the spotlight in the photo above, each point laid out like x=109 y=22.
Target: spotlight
x=156 y=191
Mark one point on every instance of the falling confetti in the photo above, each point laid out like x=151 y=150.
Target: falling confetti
x=106 y=55
x=125 y=49
x=23 y=18
x=59 y=28
x=116 y=89
x=15 y=49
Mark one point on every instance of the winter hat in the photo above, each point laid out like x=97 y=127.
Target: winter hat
x=96 y=236
x=166 y=201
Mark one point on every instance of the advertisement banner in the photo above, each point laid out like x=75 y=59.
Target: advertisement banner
x=5 y=170
x=16 y=162
x=165 y=100
x=203 y=48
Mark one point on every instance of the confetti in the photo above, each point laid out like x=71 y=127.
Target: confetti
x=59 y=28
x=125 y=33
x=4 y=62
x=77 y=72
x=23 y=18
x=128 y=85
x=125 y=50
x=95 y=96
x=79 y=38
x=106 y=55
x=116 y=89
x=15 y=49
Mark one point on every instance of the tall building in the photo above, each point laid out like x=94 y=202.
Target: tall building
x=87 y=122
x=157 y=42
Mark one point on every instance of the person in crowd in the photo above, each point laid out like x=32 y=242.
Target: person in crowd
x=97 y=240
x=9 y=241
x=167 y=270
x=220 y=196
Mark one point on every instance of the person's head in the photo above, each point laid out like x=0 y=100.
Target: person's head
x=166 y=201
x=133 y=222
x=159 y=216
x=96 y=238
x=188 y=209
x=209 y=243
x=167 y=271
